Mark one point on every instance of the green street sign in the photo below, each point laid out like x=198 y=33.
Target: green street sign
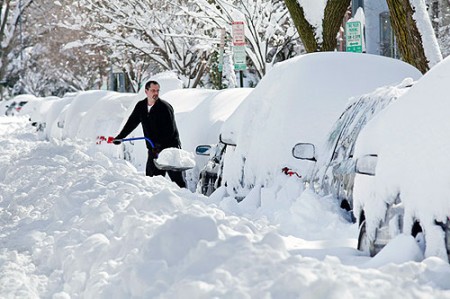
x=353 y=36
x=239 y=57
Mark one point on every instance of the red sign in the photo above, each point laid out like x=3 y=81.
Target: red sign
x=238 y=33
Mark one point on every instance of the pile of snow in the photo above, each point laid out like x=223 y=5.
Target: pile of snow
x=79 y=224
x=176 y=158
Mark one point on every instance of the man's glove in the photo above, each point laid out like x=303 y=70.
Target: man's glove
x=117 y=141
x=156 y=150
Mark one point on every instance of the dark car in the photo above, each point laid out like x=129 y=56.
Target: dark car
x=334 y=169
x=210 y=177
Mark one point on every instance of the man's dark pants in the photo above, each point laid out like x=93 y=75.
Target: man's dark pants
x=152 y=170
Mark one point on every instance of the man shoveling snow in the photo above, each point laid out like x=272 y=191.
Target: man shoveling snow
x=158 y=123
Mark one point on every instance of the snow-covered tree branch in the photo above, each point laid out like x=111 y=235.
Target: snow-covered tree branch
x=159 y=30
x=269 y=31
x=11 y=15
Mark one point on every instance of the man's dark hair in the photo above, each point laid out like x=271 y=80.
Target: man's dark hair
x=147 y=85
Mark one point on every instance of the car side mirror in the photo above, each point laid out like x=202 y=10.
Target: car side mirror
x=367 y=164
x=203 y=150
x=226 y=140
x=304 y=151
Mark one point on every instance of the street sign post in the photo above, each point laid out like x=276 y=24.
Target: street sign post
x=353 y=37
x=221 y=48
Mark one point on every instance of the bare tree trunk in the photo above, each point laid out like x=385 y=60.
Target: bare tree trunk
x=304 y=28
x=409 y=40
x=333 y=15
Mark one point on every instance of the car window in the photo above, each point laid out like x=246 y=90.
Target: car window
x=352 y=122
x=340 y=143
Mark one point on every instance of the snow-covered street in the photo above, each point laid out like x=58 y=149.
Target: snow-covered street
x=312 y=139
x=76 y=223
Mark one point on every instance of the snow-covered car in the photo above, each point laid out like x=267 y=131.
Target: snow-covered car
x=403 y=169
x=298 y=100
x=15 y=105
x=37 y=111
x=334 y=169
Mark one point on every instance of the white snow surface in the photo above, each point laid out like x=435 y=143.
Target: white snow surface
x=79 y=224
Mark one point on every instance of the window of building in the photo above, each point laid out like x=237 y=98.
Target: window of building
x=388 y=45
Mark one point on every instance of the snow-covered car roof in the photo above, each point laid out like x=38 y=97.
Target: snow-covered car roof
x=37 y=108
x=81 y=103
x=202 y=123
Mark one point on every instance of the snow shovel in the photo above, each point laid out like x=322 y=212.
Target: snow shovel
x=172 y=159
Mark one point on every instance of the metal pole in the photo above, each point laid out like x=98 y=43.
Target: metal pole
x=242 y=78
x=221 y=53
x=20 y=36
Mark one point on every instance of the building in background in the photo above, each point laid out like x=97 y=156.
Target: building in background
x=379 y=36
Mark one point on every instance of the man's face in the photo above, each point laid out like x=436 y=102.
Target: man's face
x=152 y=92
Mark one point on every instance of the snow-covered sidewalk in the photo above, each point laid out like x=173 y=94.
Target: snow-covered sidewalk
x=78 y=224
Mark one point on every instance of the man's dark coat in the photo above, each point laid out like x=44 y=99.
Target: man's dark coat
x=158 y=124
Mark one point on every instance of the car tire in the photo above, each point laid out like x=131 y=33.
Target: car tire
x=364 y=243
x=419 y=236
x=201 y=186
